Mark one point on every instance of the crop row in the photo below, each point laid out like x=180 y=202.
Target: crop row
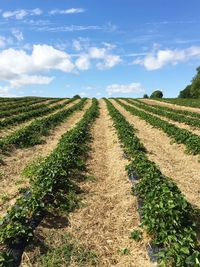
x=18 y=99
x=165 y=213
x=32 y=114
x=189 y=102
x=26 y=108
x=177 y=111
x=180 y=136
x=22 y=103
x=31 y=134
x=50 y=183
x=165 y=113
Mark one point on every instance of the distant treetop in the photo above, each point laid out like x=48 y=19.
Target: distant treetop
x=76 y=96
x=157 y=94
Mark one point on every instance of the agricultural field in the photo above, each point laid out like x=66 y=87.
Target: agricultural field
x=107 y=182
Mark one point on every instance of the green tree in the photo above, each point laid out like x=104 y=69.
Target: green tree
x=76 y=96
x=192 y=90
x=195 y=86
x=157 y=94
x=145 y=96
x=186 y=93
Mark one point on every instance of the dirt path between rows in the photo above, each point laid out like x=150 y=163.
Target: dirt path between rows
x=12 y=128
x=109 y=214
x=190 y=128
x=165 y=104
x=184 y=169
x=11 y=179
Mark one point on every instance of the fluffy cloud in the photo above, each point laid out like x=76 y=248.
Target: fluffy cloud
x=18 y=35
x=83 y=62
x=124 y=88
x=23 y=80
x=21 y=13
x=19 y=68
x=159 y=58
x=67 y=11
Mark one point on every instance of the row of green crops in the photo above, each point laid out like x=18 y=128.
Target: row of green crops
x=32 y=133
x=41 y=111
x=165 y=113
x=177 y=111
x=165 y=213
x=27 y=107
x=25 y=102
x=52 y=178
x=189 y=102
x=7 y=100
x=180 y=136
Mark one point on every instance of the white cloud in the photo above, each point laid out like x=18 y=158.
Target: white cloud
x=110 y=61
x=30 y=79
x=124 y=88
x=77 y=45
x=83 y=62
x=67 y=11
x=18 y=68
x=159 y=58
x=21 y=13
x=18 y=34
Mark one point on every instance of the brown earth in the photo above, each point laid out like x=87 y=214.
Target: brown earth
x=183 y=168
x=11 y=178
x=165 y=104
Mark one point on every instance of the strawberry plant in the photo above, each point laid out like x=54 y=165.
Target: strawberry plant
x=53 y=177
x=165 y=213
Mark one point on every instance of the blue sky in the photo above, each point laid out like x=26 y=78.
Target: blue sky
x=98 y=48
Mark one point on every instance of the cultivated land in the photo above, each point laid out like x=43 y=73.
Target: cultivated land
x=109 y=182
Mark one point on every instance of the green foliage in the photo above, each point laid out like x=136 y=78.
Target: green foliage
x=69 y=251
x=165 y=108
x=31 y=134
x=186 y=93
x=192 y=90
x=180 y=136
x=41 y=111
x=191 y=102
x=77 y=96
x=157 y=94
x=136 y=235
x=172 y=114
x=166 y=215
x=52 y=180
x=145 y=96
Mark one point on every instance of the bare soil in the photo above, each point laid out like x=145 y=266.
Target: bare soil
x=171 y=158
x=11 y=178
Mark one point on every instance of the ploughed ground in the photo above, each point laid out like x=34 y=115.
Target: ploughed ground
x=11 y=178
x=171 y=158
x=108 y=212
